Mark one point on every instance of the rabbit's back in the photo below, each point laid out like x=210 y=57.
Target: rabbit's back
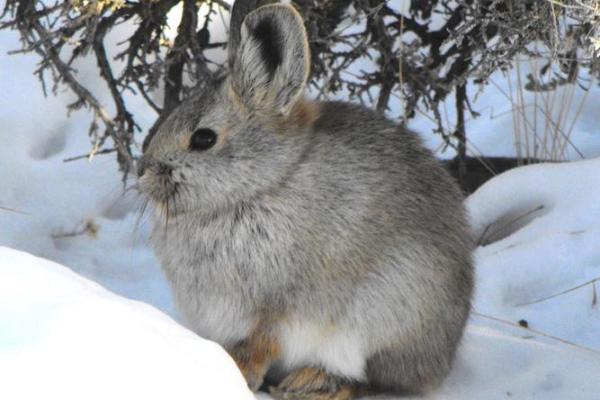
x=373 y=183
x=391 y=251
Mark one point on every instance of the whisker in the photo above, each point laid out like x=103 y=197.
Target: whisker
x=174 y=199
x=143 y=203
x=141 y=213
x=178 y=198
x=171 y=205
x=167 y=207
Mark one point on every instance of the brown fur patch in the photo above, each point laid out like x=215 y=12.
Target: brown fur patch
x=254 y=356
x=303 y=114
x=235 y=98
x=222 y=136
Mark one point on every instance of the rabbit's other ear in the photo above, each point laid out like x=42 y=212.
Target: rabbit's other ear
x=271 y=63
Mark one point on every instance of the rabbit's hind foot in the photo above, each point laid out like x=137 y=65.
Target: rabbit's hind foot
x=312 y=383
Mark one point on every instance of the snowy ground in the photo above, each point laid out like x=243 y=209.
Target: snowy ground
x=64 y=337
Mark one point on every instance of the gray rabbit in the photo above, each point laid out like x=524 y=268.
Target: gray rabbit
x=319 y=243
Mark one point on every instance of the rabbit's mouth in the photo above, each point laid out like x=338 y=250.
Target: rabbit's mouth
x=163 y=193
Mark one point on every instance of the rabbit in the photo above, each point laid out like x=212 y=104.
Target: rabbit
x=319 y=243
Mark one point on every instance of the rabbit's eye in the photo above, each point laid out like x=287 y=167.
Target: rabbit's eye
x=203 y=139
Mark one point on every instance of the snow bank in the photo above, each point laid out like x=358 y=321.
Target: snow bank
x=64 y=337
x=540 y=229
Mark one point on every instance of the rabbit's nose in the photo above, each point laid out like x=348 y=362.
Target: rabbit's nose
x=158 y=168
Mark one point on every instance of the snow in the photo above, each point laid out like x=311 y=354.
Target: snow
x=499 y=362
x=544 y=253
x=63 y=336
x=57 y=199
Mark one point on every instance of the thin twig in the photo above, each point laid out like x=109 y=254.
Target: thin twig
x=591 y=282
x=502 y=227
x=544 y=334
x=89 y=155
x=14 y=210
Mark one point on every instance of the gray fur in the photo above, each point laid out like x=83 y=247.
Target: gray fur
x=346 y=228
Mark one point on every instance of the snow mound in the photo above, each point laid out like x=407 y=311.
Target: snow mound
x=539 y=261
x=64 y=337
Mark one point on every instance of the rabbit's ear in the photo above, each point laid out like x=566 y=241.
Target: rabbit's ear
x=270 y=66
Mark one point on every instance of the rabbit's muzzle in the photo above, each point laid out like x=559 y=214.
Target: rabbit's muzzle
x=155 y=179
x=159 y=168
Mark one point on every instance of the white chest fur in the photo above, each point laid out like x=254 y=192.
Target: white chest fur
x=340 y=351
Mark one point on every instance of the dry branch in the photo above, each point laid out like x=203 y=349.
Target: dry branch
x=361 y=48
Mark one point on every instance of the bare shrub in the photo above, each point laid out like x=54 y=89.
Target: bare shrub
x=364 y=50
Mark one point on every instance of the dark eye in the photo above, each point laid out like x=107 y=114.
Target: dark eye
x=203 y=139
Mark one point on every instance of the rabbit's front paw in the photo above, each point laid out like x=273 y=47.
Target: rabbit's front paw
x=254 y=357
x=314 y=384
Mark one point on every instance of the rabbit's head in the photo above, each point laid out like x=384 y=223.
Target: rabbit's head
x=239 y=137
